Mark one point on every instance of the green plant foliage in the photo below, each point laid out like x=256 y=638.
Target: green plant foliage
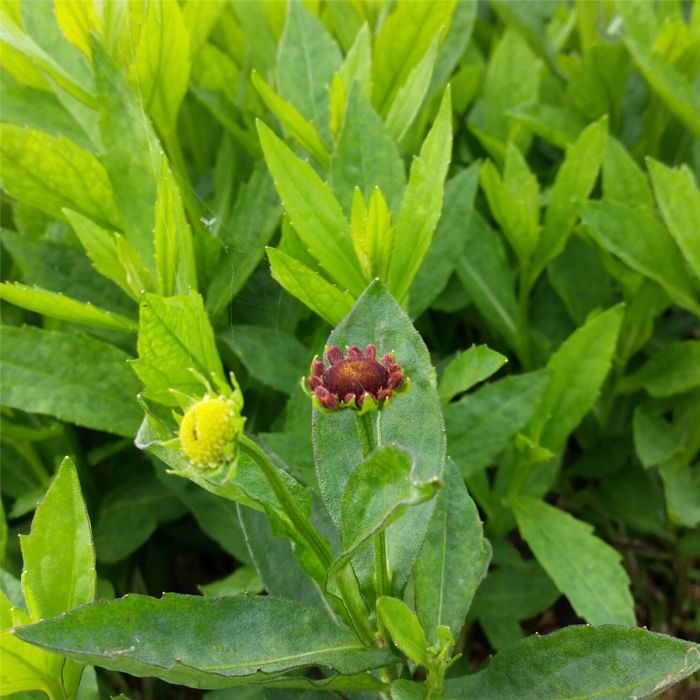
x=363 y=337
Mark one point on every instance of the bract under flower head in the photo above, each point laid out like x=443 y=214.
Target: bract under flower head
x=356 y=380
x=209 y=431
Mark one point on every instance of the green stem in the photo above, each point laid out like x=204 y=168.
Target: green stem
x=347 y=583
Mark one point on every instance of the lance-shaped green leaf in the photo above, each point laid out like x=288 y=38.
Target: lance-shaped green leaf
x=172 y=236
x=204 y=642
x=55 y=305
x=679 y=95
x=293 y=120
x=623 y=180
x=70 y=376
x=314 y=212
x=321 y=296
x=422 y=202
x=413 y=420
x=594 y=580
x=378 y=492
x=404 y=628
x=482 y=424
x=175 y=336
x=453 y=560
x=365 y=155
x=612 y=662
x=577 y=369
x=572 y=185
x=640 y=241
x=679 y=201
x=59 y=558
x=51 y=173
x=468 y=368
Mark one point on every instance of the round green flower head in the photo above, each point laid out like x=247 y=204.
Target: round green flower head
x=209 y=431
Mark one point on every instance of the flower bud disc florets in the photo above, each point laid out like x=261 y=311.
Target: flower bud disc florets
x=209 y=430
x=356 y=380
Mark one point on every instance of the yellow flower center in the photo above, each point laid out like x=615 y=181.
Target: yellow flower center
x=209 y=430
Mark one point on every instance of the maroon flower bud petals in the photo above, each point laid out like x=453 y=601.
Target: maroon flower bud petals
x=355 y=380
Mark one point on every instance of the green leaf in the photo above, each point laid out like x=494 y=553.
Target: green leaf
x=572 y=185
x=655 y=440
x=401 y=43
x=174 y=248
x=365 y=155
x=468 y=368
x=672 y=370
x=409 y=98
x=679 y=201
x=313 y=211
x=175 y=336
x=413 y=420
x=160 y=75
x=155 y=637
x=322 y=297
x=578 y=661
x=132 y=154
x=679 y=95
x=453 y=560
x=70 y=376
x=272 y=356
x=357 y=65
x=422 y=202
x=404 y=628
x=51 y=173
x=484 y=272
x=448 y=241
x=623 y=180
x=59 y=559
x=292 y=119
x=482 y=424
x=593 y=580
x=76 y=20
x=377 y=493
x=64 y=308
x=577 y=369
x=307 y=58
x=560 y=127
x=640 y=241
x=243 y=581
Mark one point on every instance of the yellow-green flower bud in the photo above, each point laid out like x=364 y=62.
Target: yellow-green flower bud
x=209 y=431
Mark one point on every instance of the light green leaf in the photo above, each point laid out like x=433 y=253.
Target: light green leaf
x=377 y=493
x=577 y=370
x=401 y=43
x=672 y=370
x=155 y=637
x=468 y=368
x=313 y=211
x=77 y=20
x=594 y=580
x=482 y=424
x=160 y=75
x=174 y=249
x=51 y=173
x=404 y=628
x=422 y=202
x=410 y=95
x=623 y=180
x=640 y=241
x=292 y=119
x=560 y=127
x=573 y=184
x=59 y=558
x=679 y=201
x=307 y=58
x=413 y=420
x=64 y=308
x=365 y=155
x=448 y=241
x=70 y=376
x=679 y=95
x=453 y=560
x=357 y=66
x=243 y=581
x=132 y=154
x=322 y=297
x=175 y=336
